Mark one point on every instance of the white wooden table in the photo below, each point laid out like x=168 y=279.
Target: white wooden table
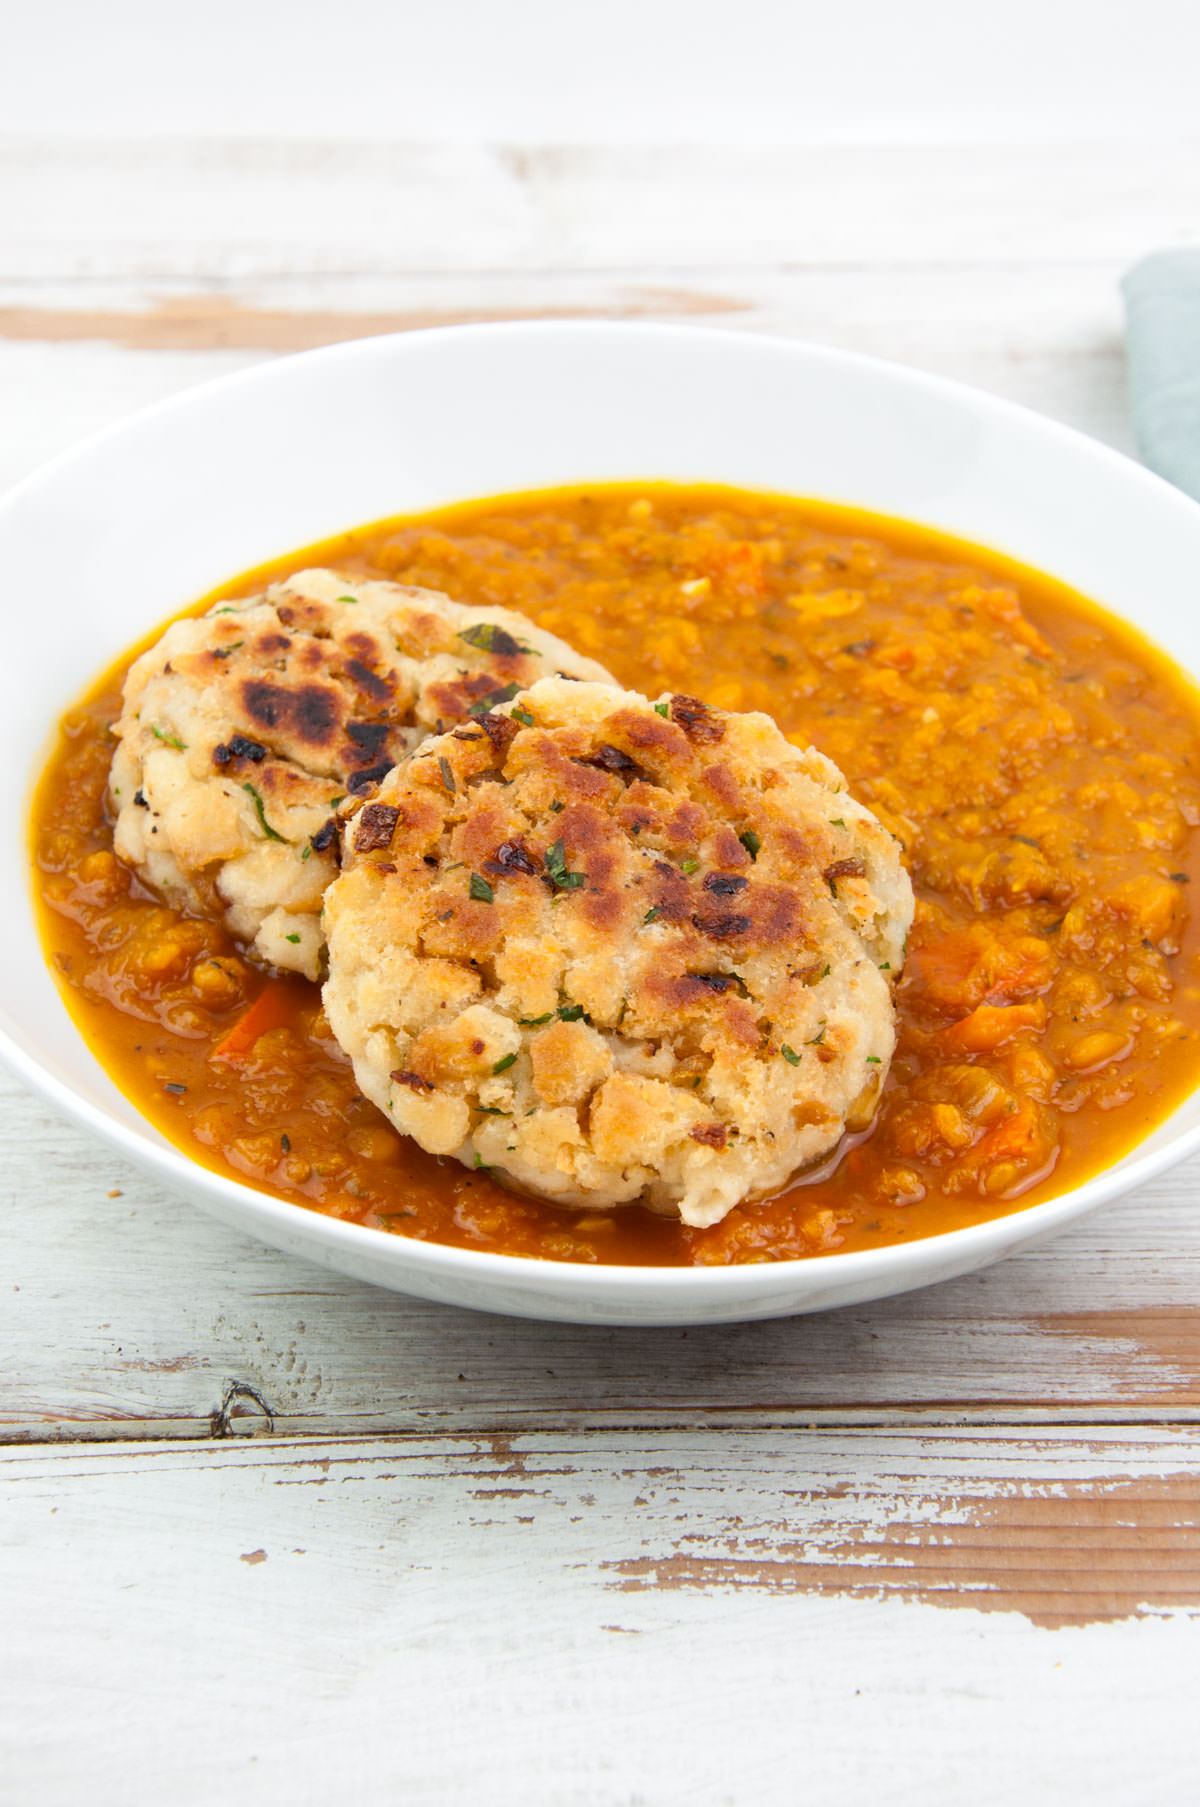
x=267 y=1535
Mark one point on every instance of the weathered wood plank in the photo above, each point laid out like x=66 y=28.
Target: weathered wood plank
x=131 y=1316
x=78 y=357
x=172 y=209
x=630 y=1618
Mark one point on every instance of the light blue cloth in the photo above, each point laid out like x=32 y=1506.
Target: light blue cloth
x=1162 y=313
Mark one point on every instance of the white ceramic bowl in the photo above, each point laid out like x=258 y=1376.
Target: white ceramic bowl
x=114 y=537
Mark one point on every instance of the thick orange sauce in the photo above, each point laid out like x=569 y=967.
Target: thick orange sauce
x=1039 y=761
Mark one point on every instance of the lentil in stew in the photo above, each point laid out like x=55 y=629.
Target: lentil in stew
x=1039 y=761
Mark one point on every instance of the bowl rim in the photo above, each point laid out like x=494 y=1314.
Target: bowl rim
x=280 y=1219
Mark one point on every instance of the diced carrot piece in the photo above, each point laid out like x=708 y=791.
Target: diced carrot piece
x=991 y=1025
x=271 y=1009
x=739 y=566
x=1012 y=1139
x=972 y=965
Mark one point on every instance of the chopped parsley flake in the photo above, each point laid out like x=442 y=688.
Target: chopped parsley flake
x=817 y=1039
x=556 y=866
x=523 y=716
x=571 y=1013
x=489 y=637
x=652 y=915
x=347 y=599
x=504 y=1063
x=750 y=842
x=481 y=1165
x=662 y=709
x=479 y=889
x=837 y=822
x=307 y=850
x=885 y=966
x=262 y=814
x=557 y=805
x=790 y=1055
x=689 y=866
x=172 y=740
x=534 y=1022
x=872 y=1060
x=493 y=699
x=292 y=938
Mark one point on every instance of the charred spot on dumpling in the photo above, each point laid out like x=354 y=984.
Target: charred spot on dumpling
x=622 y=982
x=308 y=713
x=243 y=730
x=698 y=721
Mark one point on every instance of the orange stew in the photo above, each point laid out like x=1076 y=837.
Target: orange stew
x=1039 y=761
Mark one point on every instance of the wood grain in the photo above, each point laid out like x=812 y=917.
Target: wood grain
x=157 y=1309
x=219 y=323
x=615 y=1618
x=267 y=1534
x=244 y=211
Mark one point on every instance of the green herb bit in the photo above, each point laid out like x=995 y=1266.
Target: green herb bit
x=818 y=1038
x=523 y=716
x=571 y=1013
x=484 y=635
x=534 y=1022
x=558 y=805
x=750 y=842
x=227 y=610
x=447 y=774
x=294 y=939
x=347 y=599
x=306 y=851
x=663 y=709
x=493 y=700
x=837 y=822
x=689 y=866
x=479 y=889
x=790 y=1055
x=503 y=1064
x=556 y=866
x=885 y=966
x=873 y=1060
x=262 y=814
x=481 y=1165
x=652 y=915
x=827 y=972
x=171 y=740
x=489 y=1110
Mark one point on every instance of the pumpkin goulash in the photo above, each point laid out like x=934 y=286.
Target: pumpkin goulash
x=1035 y=763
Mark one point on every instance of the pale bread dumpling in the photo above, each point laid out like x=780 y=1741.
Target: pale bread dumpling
x=615 y=950
x=242 y=730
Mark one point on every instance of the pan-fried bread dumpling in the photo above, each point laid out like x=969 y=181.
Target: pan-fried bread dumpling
x=618 y=950
x=243 y=729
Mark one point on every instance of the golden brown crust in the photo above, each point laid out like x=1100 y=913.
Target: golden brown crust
x=636 y=904
x=244 y=729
